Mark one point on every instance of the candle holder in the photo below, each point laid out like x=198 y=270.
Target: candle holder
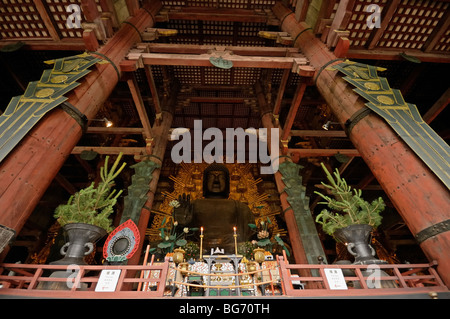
x=235 y=241
x=201 y=247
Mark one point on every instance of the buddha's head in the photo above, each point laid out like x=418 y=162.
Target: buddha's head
x=216 y=181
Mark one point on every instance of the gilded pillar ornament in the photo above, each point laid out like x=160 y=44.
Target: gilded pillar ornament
x=137 y=191
x=299 y=203
x=40 y=97
x=403 y=117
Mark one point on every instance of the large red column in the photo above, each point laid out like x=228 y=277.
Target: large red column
x=419 y=196
x=30 y=168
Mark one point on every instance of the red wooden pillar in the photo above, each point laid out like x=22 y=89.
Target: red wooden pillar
x=30 y=168
x=294 y=234
x=419 y=196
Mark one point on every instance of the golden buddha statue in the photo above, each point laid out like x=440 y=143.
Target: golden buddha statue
x=216 y=213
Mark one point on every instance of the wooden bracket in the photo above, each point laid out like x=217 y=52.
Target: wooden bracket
x=342 y=46
x=151 y=34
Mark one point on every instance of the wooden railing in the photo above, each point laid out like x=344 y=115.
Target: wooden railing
x=78 y=281
x=31 y=280
x=361 y=280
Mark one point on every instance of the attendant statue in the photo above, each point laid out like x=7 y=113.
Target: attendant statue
x=216 y=213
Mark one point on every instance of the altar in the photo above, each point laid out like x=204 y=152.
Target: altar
x=221 y=275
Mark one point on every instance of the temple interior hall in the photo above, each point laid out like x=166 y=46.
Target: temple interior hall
x=219 y=127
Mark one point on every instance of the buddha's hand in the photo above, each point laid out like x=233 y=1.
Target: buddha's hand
x=183 y=213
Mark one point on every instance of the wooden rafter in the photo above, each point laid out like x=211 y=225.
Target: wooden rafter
x=115 y=130
x=341 y=20
x=387 y=14
x=394 y=55
x=437 y=107
x=139 y=103
x=301 y=9
x=213 y=14
x=110 y=150
x=203 y=60
x=151 y=83
x=316 y=152
x=439 y=30
x=318 y=133
x=282 y=87
x=202 y=49
x=293 y=110
x=48 y=19
x=44 y=45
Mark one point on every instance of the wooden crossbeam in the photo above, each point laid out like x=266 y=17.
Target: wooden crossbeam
x=315 y=152
x=293 y=110
x=282 y=87
x=200 y=49
x=318 y=133
x=387 y=14
x=206 y=99
x=44 y=45
x=139 y=103
x=213 y=14
x=115 y=130
x=203 y=60
x=47 y=18
x=438 y=32
x=437 y=107
x=393 y=54
x=340 y=21
x=110 y=150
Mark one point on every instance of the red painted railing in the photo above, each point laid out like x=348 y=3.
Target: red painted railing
x=31 y=280
x=361 y=280
x=80 y=281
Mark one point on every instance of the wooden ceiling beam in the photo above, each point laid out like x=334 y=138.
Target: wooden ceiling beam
x=340 y=21
x=48 y=45
x=139 y=103
x=203 y=60
x=213 y=14
x=318 y=133
x=387 y=14
x=394 y=55
x=280 y=93
x=205 y=48
x=47 y=18
x=206 y=99
x=153 y=89
x=64 y=183
x=315 y=152
x=300 y=91
x=438 y=32
x=110 y=150
x=115 y=130
x=437 y=107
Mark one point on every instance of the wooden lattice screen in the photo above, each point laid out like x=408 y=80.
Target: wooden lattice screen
x=237 y=4
x=359 y=31
x=58 y=11
x=412 y=24
x=20 y=19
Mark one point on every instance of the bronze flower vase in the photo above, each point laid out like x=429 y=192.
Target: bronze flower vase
x=357 y=239
x=81 y=239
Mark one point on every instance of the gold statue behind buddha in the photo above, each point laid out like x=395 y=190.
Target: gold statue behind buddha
x=216 y=213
